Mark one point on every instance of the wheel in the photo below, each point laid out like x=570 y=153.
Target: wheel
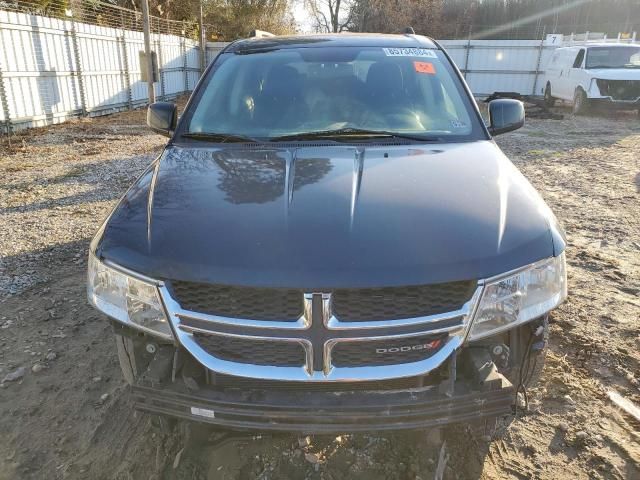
x=549 y=101
x=580 y=102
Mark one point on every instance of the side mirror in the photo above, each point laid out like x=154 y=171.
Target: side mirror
x=162 y=118
x=505 y=115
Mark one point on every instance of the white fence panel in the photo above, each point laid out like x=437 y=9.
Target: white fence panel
x=37 y=68
x=101 y=67
x=498 y=65
x=213 y=48
x=172 y=79
x=134 y=42
x=193 y=63
x=52 y=69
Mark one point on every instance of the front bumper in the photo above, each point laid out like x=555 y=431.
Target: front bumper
x=328 y=412
x=468 y=387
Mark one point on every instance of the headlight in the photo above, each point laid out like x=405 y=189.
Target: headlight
x=126 y=299
x=518 y=298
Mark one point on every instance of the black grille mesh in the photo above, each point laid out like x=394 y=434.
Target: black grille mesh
x=256 y=352
x=228 y=381
x=359 y=354
x=356 y=305
x=620 y=89
x=240 y=302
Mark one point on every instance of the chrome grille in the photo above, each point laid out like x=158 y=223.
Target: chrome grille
x=250 y=351
x=239 y=302
x=319 y=346
x=385 y=352
x=367 y=304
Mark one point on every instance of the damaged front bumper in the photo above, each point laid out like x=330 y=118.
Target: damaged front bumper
x=326 y=412
x=469 y=389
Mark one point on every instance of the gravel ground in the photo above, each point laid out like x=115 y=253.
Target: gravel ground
x=64 y=409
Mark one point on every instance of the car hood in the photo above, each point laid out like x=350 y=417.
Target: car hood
x=329 y=216
x=616 y=73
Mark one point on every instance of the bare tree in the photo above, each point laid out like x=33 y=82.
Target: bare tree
x=330 y=15
x=393 y=16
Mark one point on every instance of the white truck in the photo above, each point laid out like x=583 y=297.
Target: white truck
x=604 y=73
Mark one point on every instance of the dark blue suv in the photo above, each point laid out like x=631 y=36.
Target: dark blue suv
x=330 y=241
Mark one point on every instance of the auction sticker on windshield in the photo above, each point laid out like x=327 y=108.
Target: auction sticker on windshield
x=409 y=52
x=424 y=67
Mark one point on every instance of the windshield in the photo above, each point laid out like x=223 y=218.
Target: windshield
x=340 y=90
x=613 y=57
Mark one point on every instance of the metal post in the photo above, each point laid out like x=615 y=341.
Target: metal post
x=160 y=64
x=4 y=101
x=466 y=58
x=126 y=74
x=540 y=49
x=125 y=63
x=183 y=51
x=203 y=42
x=78 y=71
x=147 y=50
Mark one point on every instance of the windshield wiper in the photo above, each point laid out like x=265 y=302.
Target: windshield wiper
x=220 y=137
x=352 y=132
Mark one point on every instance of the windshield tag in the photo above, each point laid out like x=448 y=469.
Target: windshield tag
x=424 y=67
x=409 y=52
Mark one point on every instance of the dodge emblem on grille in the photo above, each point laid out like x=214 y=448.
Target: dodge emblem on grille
x=409 y=348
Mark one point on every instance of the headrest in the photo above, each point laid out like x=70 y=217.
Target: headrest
x=384 y=78
x=282 y=81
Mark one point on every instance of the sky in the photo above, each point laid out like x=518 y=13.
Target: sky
x=302 y=17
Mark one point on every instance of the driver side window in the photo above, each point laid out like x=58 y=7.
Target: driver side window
x=579 y=58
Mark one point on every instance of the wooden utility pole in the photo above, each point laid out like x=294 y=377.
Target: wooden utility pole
x=147 y=50
x=203 y=42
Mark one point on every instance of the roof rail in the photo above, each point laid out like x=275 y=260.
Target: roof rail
x=409 y=31
x=260 y=34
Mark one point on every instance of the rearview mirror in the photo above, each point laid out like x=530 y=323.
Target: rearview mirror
x=162 y=118
x=505 y=115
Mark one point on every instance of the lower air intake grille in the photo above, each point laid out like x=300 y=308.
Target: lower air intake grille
x=257 y=352
x=385 y=352
x=239 y=302
x=394 y=303
x=227 y=381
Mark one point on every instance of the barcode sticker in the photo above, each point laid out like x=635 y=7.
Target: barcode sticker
x=203 y=412
x=409 y=52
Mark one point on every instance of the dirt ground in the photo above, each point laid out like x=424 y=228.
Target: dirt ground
x=65 y=411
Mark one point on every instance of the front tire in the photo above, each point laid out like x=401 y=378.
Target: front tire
x=580 y=102
x=549 y=101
